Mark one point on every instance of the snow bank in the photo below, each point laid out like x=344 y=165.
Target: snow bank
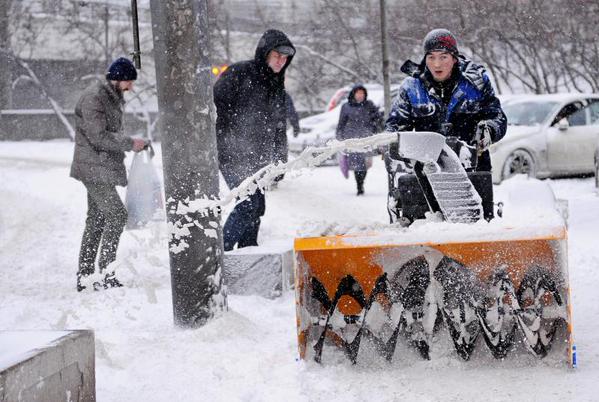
x=16 y=346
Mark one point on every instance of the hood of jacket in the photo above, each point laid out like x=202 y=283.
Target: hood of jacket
x=270 y=40
x=469 y=70
x=350 y=96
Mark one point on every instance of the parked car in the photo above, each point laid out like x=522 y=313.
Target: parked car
x=548 y=136
x=318 y=129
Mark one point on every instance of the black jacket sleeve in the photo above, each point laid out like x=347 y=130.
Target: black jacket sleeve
x=400 y=116
x=292 y=114
x=492 y=113
x=281 y=148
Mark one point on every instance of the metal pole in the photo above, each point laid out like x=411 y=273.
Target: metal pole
x=228 y=37
x=5 y=49
x=385 y=51
x=135 y=21
x=106 y=45
x=183 y=80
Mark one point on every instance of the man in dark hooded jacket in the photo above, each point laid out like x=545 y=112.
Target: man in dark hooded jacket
x=448 y=94
x=250 y=125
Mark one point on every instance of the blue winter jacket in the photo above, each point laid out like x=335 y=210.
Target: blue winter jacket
x=419 y=107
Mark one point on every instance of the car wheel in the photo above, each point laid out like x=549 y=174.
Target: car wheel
x=518 y=162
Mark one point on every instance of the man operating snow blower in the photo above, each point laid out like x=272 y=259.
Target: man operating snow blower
x=447 y=94
x=505 y=281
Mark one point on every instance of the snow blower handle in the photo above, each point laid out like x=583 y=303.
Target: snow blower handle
x=482 y=140
x=148 y=147
x=482 y=137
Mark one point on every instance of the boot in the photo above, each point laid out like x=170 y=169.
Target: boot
x=110 y=281
x=360 y=176
x=80 y=287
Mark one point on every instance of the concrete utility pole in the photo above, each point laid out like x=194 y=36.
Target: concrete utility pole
x=180 y=30
x=5 y=65
x=386 y=84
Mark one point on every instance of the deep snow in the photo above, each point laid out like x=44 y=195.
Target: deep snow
x=249 y=353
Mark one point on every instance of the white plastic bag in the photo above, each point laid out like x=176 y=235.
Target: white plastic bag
x=144 y=191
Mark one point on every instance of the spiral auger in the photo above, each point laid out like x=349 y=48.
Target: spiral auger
x=408 y=289
x=542 y=309
x=462 y=296
x=498 y=314
x=467 y=306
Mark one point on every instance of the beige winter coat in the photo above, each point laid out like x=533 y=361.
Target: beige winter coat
x=100 y=144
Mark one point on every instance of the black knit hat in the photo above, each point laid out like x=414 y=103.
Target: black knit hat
x=440 y=40
x=121 y=69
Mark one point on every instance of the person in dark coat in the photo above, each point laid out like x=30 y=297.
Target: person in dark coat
x=359 y=118
x=100 y=147
x=250 y=127
x=448 y=94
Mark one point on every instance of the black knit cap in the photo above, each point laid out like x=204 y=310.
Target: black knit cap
x=122 y=69
x=440 y=40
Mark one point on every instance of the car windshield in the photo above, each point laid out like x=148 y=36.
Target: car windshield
x=528 y=113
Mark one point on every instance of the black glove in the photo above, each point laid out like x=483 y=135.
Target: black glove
x=149 y=147
x=484 y=136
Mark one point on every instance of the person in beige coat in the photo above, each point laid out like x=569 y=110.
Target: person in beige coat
x=100 y=147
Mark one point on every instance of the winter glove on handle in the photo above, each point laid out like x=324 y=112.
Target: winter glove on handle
x=483 y=136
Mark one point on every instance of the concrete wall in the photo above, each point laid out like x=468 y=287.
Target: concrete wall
x=62 y=371
x=20 y=125
x=263 y=271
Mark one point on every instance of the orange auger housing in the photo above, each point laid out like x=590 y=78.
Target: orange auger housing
x=510 y=290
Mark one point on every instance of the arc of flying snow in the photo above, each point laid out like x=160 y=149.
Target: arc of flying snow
x=309 y=158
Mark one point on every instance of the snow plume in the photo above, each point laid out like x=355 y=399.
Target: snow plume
x=309 y=158
x=262 y=179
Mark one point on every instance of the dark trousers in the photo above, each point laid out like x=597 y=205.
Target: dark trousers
x=243 y=223
x=360 y=177
x=106 y=218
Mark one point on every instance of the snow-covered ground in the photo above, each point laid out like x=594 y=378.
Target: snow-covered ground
x=249 y=353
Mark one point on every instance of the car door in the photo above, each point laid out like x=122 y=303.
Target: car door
x=558 y=140
x=582 y=133
x=570 y=149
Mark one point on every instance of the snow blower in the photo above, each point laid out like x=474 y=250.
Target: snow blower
x=493 y=285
